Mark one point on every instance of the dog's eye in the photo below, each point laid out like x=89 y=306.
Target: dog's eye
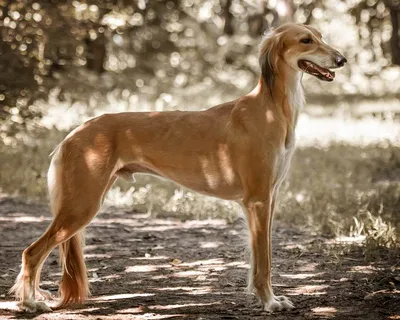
x=306 y=40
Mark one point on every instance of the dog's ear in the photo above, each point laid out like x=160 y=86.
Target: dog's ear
x=270 y=48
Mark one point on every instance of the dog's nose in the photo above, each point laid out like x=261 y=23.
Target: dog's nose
x=340 y=61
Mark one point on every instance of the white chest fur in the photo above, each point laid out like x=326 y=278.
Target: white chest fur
x=295 y=95
x=295 y=92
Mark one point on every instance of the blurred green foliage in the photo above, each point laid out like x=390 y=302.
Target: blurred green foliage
x=88 y=48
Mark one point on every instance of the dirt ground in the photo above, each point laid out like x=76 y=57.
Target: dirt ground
x=158 y=268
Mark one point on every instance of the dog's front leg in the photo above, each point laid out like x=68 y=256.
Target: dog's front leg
x=259 y=213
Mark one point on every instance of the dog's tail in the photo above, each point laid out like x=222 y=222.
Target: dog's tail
x=74 y=287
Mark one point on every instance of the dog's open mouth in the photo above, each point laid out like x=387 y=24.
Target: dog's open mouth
x=315 y=70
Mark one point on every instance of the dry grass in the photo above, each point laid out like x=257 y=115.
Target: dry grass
x=329 y=187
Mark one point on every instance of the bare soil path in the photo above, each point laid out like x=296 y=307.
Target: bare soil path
x=158 y=268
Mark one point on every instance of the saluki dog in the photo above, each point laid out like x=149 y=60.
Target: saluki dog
x=239 y=150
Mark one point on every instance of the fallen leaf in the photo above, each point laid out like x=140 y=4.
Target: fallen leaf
x=176 y=261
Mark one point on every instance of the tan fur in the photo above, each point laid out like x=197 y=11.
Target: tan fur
x=238 y=150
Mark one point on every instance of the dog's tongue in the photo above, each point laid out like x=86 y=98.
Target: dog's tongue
x=325 y=73
x=315 y=70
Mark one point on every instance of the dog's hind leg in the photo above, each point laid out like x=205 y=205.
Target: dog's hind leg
x=40 y=293
x=64 y=231
x=76 y=190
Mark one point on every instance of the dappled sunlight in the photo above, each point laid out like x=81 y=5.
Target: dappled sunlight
x=111 y=277
x=160 y=277
x=106 y=222
x=292 y=246
x=180 y=268
x=238 y=264
x=175 y=306
x=199 y=223
x=157 y=225
x=189 y=290
x=208 y=262
x=302 y=275
x=325 y=311
x=157 y=228
x=153 y=316
x=8 y=305
x=200 y=269
x=225 y=164
x=25 y=218
x=150 y=257
x=306 y=266
x=188 y=274
x=208 y=245
x=193 y=284
x=308 y=290
x=208 y=168
x=201 y=291
x=96 y=256
x=312 y=280
x=93 y=247
x=122 y=296
x=80 y=311
x=233 y=232
x=132 y=310
x=146 y=268
x=364 y=269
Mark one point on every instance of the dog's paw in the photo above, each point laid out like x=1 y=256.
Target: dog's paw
x=33 y=306
x=278 y=303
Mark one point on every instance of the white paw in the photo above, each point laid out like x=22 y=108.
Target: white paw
x=33 y=306
x=43 y=294
x=278 y=303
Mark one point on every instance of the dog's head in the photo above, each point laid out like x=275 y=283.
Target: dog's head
x=302 y=48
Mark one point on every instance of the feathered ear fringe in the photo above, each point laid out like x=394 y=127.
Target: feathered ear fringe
x=270 y=47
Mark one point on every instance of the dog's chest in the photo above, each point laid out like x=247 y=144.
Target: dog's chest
x=295 y=100
x=295 y=97
x=283 y=161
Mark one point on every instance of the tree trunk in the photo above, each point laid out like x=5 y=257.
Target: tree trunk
x=395 y=39
x=96 y=53
x=394 y=8
x=228 y=26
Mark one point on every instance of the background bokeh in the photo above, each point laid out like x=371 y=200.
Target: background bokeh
x=63 y=62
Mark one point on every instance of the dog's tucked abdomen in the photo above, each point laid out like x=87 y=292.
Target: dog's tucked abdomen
x=173 y=145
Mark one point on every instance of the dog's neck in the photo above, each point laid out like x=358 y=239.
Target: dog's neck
x=294 y=94
x=286 y=96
